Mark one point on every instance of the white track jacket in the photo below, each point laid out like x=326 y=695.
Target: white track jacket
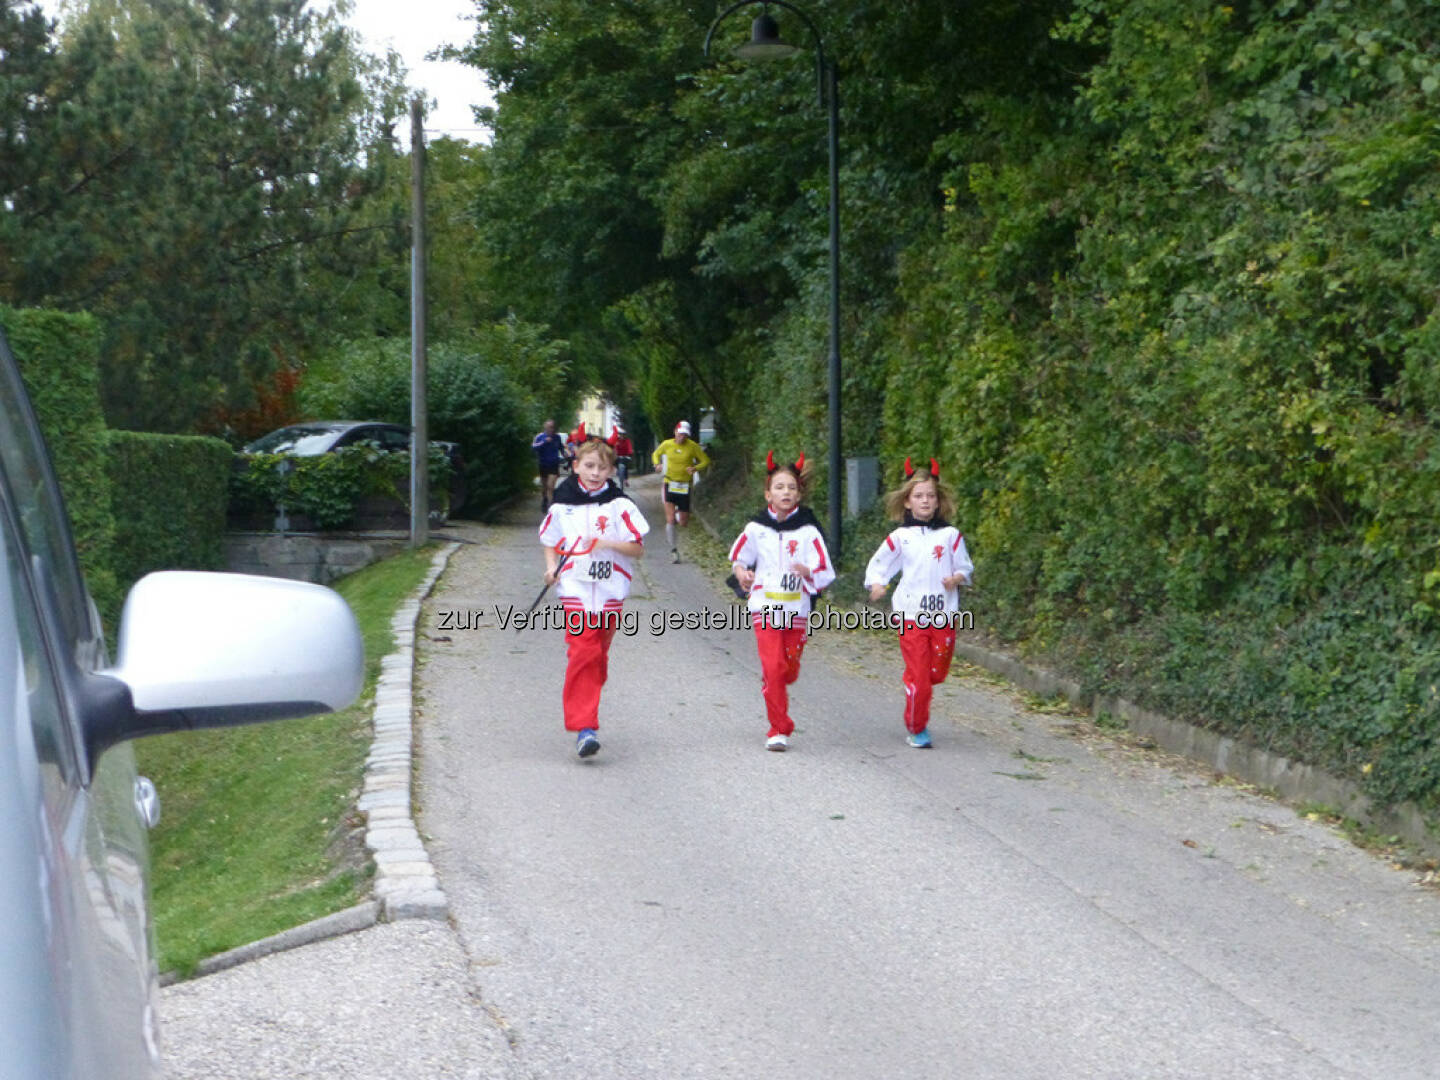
x=598 y=582
x=769 y=547
x=924 y=556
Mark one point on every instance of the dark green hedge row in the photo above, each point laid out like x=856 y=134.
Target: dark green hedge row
x=1178 y=348
x=169 y=495
x=137 y=502
x=58 y=354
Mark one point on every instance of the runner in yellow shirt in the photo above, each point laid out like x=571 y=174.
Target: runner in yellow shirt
x=679 y=459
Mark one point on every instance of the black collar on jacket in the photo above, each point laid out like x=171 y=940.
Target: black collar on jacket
x=936 y=522
x=569 y=492
x=800 y=517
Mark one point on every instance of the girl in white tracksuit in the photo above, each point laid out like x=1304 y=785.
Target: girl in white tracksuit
x=781 y=561
x=930 y=556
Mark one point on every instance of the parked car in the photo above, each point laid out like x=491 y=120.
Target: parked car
x=195 y=650
x=316 y=437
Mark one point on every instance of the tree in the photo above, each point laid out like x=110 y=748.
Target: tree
x=197 y=182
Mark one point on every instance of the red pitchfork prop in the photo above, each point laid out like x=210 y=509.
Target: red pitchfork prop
x=564 y=558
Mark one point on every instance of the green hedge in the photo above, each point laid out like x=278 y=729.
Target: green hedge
x=328 y=489
x=1178 y=353
x=58 y=355
x=169 y=494
x=474 y=398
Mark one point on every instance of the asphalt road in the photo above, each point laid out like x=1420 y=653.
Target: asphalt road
x=1027 y=899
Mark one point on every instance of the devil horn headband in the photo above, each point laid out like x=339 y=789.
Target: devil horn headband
x=771 y=467
x=934 y=469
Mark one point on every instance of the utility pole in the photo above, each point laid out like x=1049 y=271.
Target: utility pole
x=419 y=429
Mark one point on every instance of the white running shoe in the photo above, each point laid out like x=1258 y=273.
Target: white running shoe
x=777 y=742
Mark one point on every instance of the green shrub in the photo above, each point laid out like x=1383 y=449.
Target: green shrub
x=328 y=489
x=1177 y=350
x=169 y=494
x=471 y=401
x=58 y=354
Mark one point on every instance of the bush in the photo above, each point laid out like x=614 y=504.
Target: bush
x=169 y=494
x=471 y=402
x=328 y=489
x=1190 y=340
x=58 y=354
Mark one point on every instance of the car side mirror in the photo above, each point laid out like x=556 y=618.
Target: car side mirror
x=200 y=650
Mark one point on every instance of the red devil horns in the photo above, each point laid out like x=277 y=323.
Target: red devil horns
x=770 y=465
x=580 y=431
x=934 y=469
x=909 y=469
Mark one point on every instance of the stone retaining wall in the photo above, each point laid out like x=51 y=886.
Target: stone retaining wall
x=317 y=557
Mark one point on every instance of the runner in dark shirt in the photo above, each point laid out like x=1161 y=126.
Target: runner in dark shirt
x=549 y=450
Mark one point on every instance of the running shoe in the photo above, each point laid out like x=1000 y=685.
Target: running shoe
x=674 y=554
x=920 y=740
x=586 y=743
x=777 y=742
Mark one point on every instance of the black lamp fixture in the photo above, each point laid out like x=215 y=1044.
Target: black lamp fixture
x=766 y=44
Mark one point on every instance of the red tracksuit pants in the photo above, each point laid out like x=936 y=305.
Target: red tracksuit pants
x=927 y=651
x=587 y=662
x=780 y=651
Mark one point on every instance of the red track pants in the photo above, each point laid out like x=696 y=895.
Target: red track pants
x=779 y=667
x=586 y=665
x=927 y=651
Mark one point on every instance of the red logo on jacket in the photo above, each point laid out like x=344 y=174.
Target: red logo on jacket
x=792 y=546
x=939 y=551
x=600 y=521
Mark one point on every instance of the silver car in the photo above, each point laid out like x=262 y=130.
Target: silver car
x=195 y=650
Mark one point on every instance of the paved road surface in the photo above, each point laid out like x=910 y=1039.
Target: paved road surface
x=1025 y=900
x=1017 y=902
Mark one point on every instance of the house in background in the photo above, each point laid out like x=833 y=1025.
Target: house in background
x=598 y=415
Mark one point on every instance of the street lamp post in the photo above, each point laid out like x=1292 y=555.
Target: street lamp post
x=765 y=44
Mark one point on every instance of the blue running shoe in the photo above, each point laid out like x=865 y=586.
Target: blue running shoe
x=586 y=743
x=920 y=740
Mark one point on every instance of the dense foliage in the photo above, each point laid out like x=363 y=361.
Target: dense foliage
x=473 y=397
x=1192 y=333
x=206 y=178
x=58 y=355
x=169 y=494
x=330 y=491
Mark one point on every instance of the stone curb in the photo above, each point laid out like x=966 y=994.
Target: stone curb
x=360 y=917
x=405 y=885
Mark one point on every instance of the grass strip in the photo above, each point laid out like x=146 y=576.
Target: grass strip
x=259 y=831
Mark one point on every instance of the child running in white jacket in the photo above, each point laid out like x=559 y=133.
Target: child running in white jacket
x=929 y=554
x=781 y=561
x=592 y=535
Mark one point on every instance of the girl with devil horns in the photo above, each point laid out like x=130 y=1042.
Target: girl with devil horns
x=929 y=554
x=781 y=561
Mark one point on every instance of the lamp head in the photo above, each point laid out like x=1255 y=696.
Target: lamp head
x=765 y=43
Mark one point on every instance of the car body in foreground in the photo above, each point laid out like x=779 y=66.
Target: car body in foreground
x=195 y=650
